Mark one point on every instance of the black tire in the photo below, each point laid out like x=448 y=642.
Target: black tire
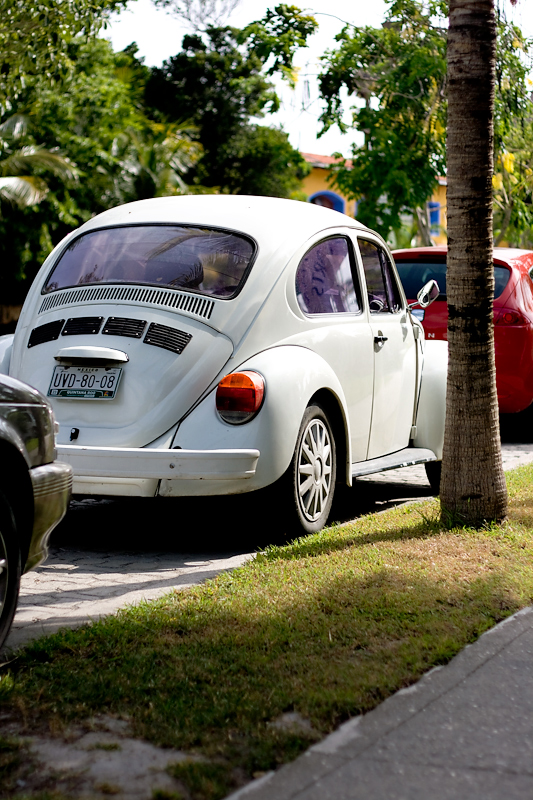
x=9 y=568
x=309 y=482
x=433 y=470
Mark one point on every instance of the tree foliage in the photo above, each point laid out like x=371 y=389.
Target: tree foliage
x=276 y=38
x=22 y=165
x=219 y=82
x=35 y=39
x=260 y=160
x=398 y=72
x=513 y=130
x=215 y=86
x=120 y=154
x=91 y=140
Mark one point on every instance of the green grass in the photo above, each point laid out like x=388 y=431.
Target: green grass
x=327 y=626
x=204 y=779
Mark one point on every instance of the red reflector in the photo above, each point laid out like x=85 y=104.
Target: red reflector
x=239 y=396
x=508 y=316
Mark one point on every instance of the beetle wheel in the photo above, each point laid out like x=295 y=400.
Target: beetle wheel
x=9 y=568
x=313 y=470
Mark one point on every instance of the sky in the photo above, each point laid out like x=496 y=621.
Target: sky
x=158 y=36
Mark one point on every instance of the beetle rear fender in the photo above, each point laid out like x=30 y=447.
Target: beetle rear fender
x=432 y=401
x=294 y=376
x=339 y=423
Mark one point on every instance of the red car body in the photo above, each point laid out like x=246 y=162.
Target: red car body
x=513 y=314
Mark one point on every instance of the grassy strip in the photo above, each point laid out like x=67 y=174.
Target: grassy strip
x=327 y=626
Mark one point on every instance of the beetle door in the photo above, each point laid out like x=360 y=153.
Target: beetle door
x=394 y=353
x=329 y=294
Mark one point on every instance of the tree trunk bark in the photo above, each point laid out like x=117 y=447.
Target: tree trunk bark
x=424 y=231
x=473 y=486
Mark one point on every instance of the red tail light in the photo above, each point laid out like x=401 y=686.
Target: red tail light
x=239 y=396
x=509 y=316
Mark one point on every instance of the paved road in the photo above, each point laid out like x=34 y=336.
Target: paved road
x=108 y=554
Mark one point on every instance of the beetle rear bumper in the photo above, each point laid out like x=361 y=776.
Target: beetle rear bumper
x=141 y=463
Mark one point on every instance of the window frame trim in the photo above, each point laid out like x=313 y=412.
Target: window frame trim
x=372 y=239
x=354 y=272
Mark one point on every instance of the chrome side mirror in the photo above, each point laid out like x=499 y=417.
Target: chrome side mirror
x=427 y=294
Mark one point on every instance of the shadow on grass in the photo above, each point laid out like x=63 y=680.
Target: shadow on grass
x=337 y=538
x=212 y=669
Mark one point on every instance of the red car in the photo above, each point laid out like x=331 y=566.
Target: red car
x=513 y=313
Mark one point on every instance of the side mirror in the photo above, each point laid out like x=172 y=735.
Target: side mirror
x=427 y=294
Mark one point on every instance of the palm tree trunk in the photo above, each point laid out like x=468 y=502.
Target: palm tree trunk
x=424 y=230
x=473 y=486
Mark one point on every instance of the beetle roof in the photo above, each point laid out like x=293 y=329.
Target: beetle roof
x=267 y=219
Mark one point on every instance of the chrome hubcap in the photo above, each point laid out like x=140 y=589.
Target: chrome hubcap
x=314 y=470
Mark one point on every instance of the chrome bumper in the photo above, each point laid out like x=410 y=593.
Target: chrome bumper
x=52 y=487
x=144 y=462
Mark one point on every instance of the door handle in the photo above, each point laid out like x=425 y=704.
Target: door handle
x=380 y=340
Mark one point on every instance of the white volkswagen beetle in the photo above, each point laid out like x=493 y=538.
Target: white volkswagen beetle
x=213 y=345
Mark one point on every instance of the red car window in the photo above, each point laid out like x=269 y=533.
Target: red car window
x=414 y=274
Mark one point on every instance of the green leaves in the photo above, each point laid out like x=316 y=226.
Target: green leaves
x=20 y=167
x=398 y=75
x=35 y=39
x=399 y=72
x=218 y=83
x=513 y=133
x=277 y=37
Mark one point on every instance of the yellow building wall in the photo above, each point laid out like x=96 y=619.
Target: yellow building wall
x=317 y=181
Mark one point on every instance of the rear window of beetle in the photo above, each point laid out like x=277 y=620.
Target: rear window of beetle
x=414 y=274
x=204 y=260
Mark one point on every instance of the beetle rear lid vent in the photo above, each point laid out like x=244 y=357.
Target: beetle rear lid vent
x=170 y=299
x=122 y=326
x=76 y=326
x=168 y=338
x=46 y=333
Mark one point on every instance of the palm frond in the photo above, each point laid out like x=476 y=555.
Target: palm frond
x=27 y=159
x=23 y=191
x=14 y=127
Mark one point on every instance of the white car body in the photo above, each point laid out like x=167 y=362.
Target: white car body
x=383 y=384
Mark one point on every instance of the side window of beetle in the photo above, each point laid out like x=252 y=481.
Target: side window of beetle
x=324 y=279
x=382 y=287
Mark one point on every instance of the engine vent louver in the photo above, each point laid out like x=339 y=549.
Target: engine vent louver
x=122 y=326
x=167 y=338
x=170 y=299
x=77 y=326
x=46 y=333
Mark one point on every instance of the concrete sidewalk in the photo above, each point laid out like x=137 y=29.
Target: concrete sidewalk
x=463 y=732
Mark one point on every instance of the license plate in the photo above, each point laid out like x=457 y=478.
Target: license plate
x=85 y=383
